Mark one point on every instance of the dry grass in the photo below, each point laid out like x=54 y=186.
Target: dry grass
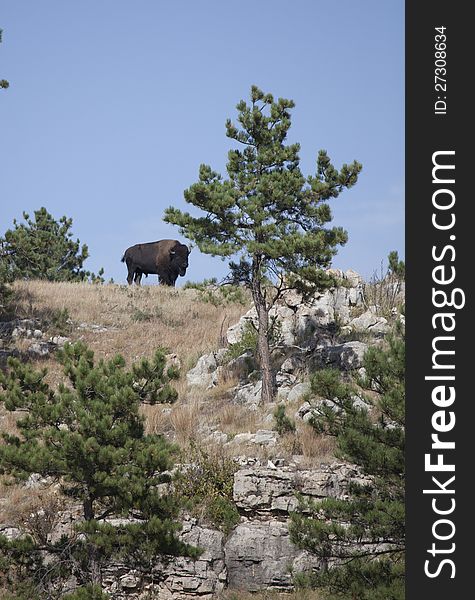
x=138 y=319
x=234 y=418
x=316 y=448
x=34 y=510
x=185 y=419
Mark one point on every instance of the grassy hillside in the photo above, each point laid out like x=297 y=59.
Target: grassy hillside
x=134 y=321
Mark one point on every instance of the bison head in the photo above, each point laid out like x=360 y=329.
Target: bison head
x=179 y=258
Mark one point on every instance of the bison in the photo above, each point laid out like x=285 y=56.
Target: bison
x=165 y=258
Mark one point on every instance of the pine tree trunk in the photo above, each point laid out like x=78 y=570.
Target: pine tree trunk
x=269 y=387
x=93 y=554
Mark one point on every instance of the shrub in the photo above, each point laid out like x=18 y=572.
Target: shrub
x=282 y=422
x=43 y=248
x=246 y=343
x=205 y=485
x=348 y=532
x=210 y=291
x=88 y=435
x=383 y=292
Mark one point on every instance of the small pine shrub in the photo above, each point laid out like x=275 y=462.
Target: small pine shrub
x=282 y=422
x=247 y=343
x=210 y=291
x=60 y=321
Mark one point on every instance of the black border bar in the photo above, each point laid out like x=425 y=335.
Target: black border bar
x=433 y=533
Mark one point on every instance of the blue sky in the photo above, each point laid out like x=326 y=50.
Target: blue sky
x=114 y=104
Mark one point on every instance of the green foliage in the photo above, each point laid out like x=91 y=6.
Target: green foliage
x=205 y=485
x=362 y=580
x=275 y=220
x=59 y=321
x=369 y=547
x=246 y=343
x=282 y=422
x=89 y=592
x=267 y=210
x=383 y=292
x=18 y=560
x=396 y=267
x=5 y=290
x=88 y=434
x=216 y=294
x=43 y=248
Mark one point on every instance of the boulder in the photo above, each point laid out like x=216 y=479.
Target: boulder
x=204 y=374
x=346 y=357
x=59 y=340
x=39 y=349
x=249 y=394
x=262 y=437
x=369 y=322
x=235 y=332
x=260 y=556
x=299 y=391
x=240 y=367
x=304 y=412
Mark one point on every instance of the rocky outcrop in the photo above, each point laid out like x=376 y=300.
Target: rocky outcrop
x=178 y=578
x=368 y=322
x=306 y=341
x=204 y=374
x=260 y=490
x=260 y=556
x=36 y=344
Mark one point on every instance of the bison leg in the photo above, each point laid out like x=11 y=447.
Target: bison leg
x=130 y=271
x=166 y=280
x=138 y=276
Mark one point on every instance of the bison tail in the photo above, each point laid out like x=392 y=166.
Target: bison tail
x=123 y=258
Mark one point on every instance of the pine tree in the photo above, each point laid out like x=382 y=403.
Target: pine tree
x=5 y=289
x=362 y=538
x=43 y=248
x=88 y=435
x=4 y=276
x=267 y=213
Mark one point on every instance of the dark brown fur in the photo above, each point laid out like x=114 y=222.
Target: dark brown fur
x=166 y=258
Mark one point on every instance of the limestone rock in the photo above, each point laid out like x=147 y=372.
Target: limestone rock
x=299 y=391
x=347 y=356
x=259 y=490
x=304 y=412
x=249 y=394
x=370 y=322
x=262 y=437
x=240 y=367
x=260 y=555
x=185 y=578
x=59 y=340
x=204 y=374
x=39 y=349
x=235 y=332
